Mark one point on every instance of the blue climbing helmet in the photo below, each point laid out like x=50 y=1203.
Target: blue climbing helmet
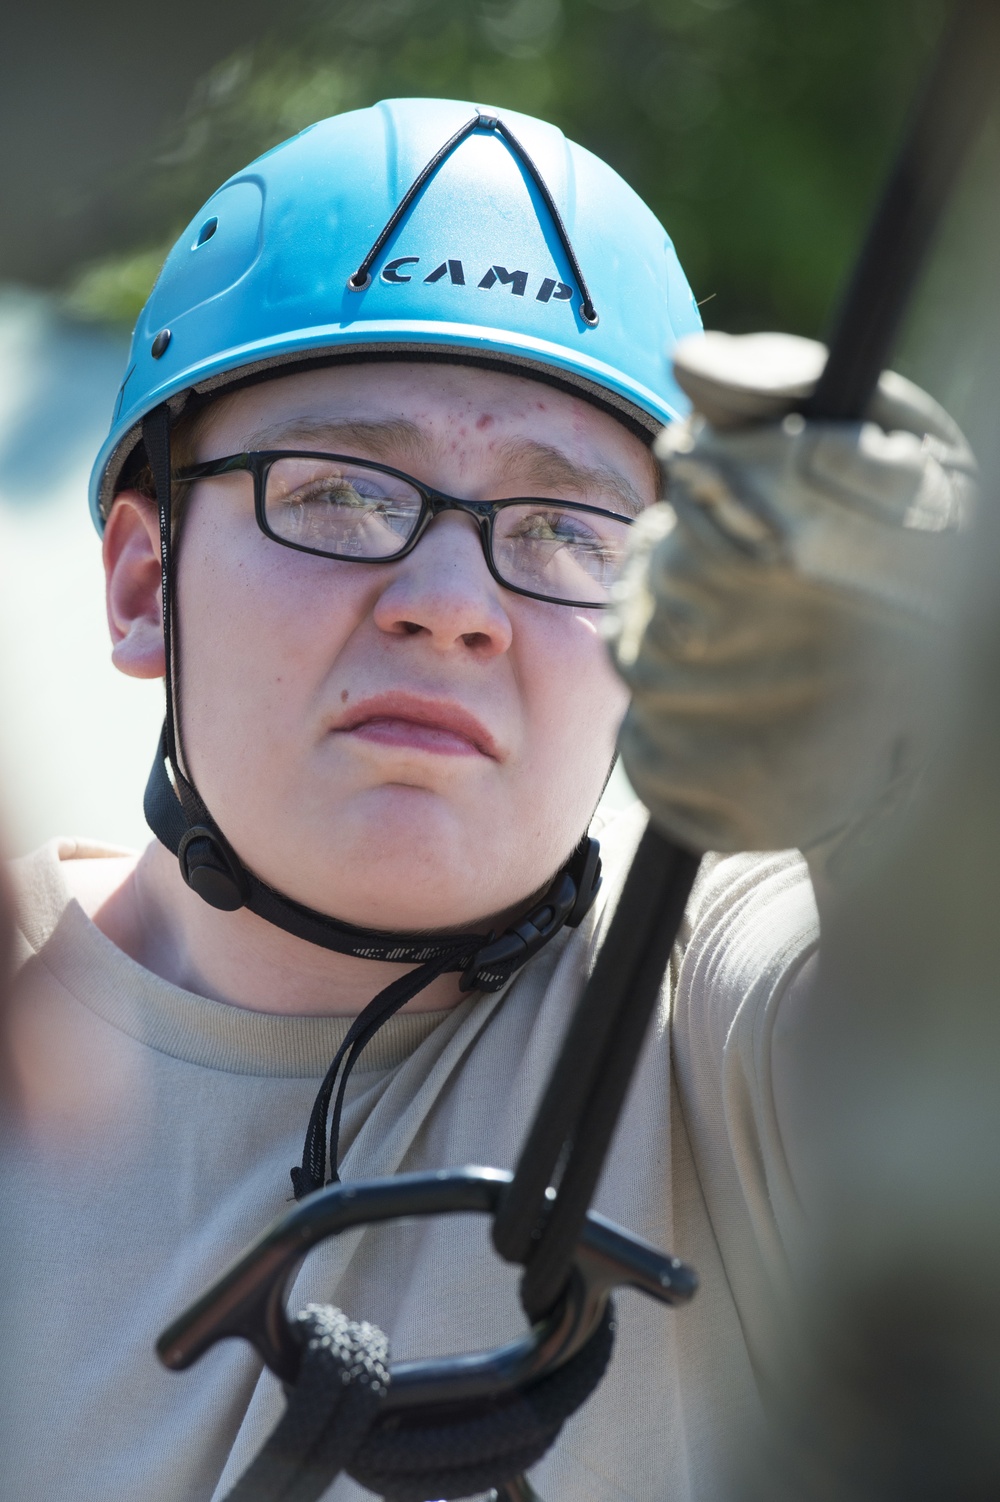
x=418 y=228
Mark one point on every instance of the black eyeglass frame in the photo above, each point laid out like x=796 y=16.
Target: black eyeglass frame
x=258 y=463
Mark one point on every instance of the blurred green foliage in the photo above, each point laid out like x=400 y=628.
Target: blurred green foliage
x=756 y=129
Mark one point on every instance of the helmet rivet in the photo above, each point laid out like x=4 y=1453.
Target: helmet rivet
x=160 y=343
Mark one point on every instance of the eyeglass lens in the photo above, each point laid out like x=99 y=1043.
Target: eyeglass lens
x=352 y=511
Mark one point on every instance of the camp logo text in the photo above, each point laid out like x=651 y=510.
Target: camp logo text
x=517 y=281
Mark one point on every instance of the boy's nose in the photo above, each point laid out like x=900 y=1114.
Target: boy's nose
x=445 y=590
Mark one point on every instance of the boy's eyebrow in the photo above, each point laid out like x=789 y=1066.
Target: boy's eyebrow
x=379 y=440
x=541 y=464
x=534 y=463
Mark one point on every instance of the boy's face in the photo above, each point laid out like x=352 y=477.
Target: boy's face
x=404 y=745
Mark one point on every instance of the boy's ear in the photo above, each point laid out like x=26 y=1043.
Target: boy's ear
x=132 y=586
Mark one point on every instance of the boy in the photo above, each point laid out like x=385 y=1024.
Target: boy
x=404 y=372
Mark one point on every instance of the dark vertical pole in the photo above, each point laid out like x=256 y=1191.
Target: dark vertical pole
x=947 y=117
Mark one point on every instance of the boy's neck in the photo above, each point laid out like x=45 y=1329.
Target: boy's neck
x=146 y=910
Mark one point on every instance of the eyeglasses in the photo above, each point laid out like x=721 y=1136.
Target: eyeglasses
x=350 y=509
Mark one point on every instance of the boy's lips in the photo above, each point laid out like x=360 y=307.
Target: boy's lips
x=435 y=725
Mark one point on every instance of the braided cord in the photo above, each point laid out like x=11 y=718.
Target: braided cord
x=343 y=1377
x=332 y=1422
x=311 y=1174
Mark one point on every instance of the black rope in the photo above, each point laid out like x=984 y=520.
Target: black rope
x=587 y=310
x=484 y=1445
x=948 y=114
x=343 y=1377
x=331 y=1422
x=361 y=278
x=576 y=1119
x=577 y=1116
x=312 y=1172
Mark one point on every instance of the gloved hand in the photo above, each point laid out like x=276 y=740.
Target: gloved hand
x=778 y=613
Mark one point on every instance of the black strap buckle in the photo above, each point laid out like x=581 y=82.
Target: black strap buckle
x=211 y=869
x=567 y=901
x=585 y=869
x=491 y=966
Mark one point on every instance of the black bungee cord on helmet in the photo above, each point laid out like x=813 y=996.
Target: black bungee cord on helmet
x=361 y=278
x=180 y=819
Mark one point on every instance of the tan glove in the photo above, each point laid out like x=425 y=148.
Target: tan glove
x=779 y=611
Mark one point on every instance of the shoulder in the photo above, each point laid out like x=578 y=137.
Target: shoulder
x=752 y=921
x=45 y=882
x=744 y=910
x=754 y=936
x=753 y=931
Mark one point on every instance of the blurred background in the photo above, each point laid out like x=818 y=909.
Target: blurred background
x=757 y=130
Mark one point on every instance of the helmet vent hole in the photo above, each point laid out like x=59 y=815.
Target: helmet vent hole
x=206 y=232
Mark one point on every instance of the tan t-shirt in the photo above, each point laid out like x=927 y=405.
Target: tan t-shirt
x=148 y=1134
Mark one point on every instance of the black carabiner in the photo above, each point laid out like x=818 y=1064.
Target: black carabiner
x=248 y=1300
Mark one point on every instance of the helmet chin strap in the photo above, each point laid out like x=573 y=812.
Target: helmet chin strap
x=178 y=816
x=210 y=866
